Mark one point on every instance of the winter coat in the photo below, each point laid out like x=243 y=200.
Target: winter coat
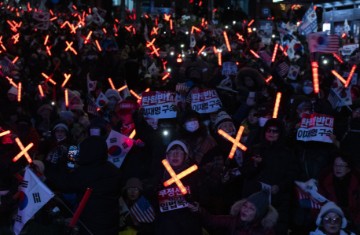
x=349 y=142
x=101 y=213
x=319 y=232
x=327 y=189
x=233 y=224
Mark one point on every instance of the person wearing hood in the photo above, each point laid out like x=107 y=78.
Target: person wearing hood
x=272 y=164
x=250 y=216
x=101 y=213
x=331 y=221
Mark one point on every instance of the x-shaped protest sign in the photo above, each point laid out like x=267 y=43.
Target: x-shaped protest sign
x=236 y=141
x=176 y=178
x=24 y=151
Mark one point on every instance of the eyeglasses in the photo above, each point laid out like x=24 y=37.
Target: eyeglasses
x=272 y=130
x=329 y=220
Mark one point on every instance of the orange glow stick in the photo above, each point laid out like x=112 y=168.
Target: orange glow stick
x=11 y=82
x=201 y=50
x=219 y=59
x=251 y=22
x=51 y=12
x=267 y=80
x=48 y=51
x=167 y=17
x=154 y=30
x=134 y=94
x=171 y=25
x=19 y=92
x=240 y=37
x=155 y=50
x=283 y=50
x=337 y=57
x=315 y=73
x=15 y=60
x=227 y=41
x=41 y=92
x=67 y=77
x=111 y=84
x=48 y=78
x=147 y=89
x=338 y=76
x=181 y=175
x=174 y=176
x=98 y=45
x=46 y=40
x=150 y=44
x=237 y=139
x=88 y=37
x=254 y=54
x=195 y=28
x=214 y=50
x=69 y=47
x=122 y=88
x=66 y=98
x=277 y=103
x=350 y=76
x=16 y=38
x=23 y=151
x=274 y=52
x=232 y=140
x=5 y=133
x=165 y=76
x=132 y=135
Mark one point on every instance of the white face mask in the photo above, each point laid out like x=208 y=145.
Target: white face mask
x=307 y=90
x=192 y=126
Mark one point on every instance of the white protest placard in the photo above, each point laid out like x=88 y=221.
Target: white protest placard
x=205 y=101
x=159 y=104
x=118 y=146
x=315 y=127
x=171 y=199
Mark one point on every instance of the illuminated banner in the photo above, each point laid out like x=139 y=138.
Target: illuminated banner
x=205 y=101
x=159 y=104
x=315 y=127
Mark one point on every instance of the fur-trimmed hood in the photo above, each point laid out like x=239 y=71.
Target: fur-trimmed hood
x=268 y=221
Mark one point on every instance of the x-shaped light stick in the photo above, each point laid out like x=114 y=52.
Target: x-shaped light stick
x=24 y=151
x=176 y=178
x=236 y=141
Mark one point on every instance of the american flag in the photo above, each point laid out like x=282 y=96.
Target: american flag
x=321 y=42
x=283 y=69
x=142 y=211
x=306 y=200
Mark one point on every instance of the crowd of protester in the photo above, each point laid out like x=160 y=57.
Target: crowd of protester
x=41 y=48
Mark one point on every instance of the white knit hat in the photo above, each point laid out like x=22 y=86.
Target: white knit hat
x=331 y=207
x=180 y=143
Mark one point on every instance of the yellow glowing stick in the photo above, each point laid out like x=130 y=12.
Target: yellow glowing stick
x=201 y=50
x=132 y=135
x=98 y=45
x=237 y=139
x=41 y=92
x=66 y=98
x=4 y=133
x=88 y=37
x=46 y=40
x=181 y=175
x=67 y=77
x=267 y=80
x=315 y=73
x=122 y=88
x=277 y=103
x=134 y=94
x=219 y=59
x=19 y=92
x=274 y=52
x=165 y=76
x=350 y=76
x=15 y=59
x=255 y=54
x=338 y=76
x=111 y=84
x=23 y=151
x=232 y=140
x=174 y=176
x=227 y=41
